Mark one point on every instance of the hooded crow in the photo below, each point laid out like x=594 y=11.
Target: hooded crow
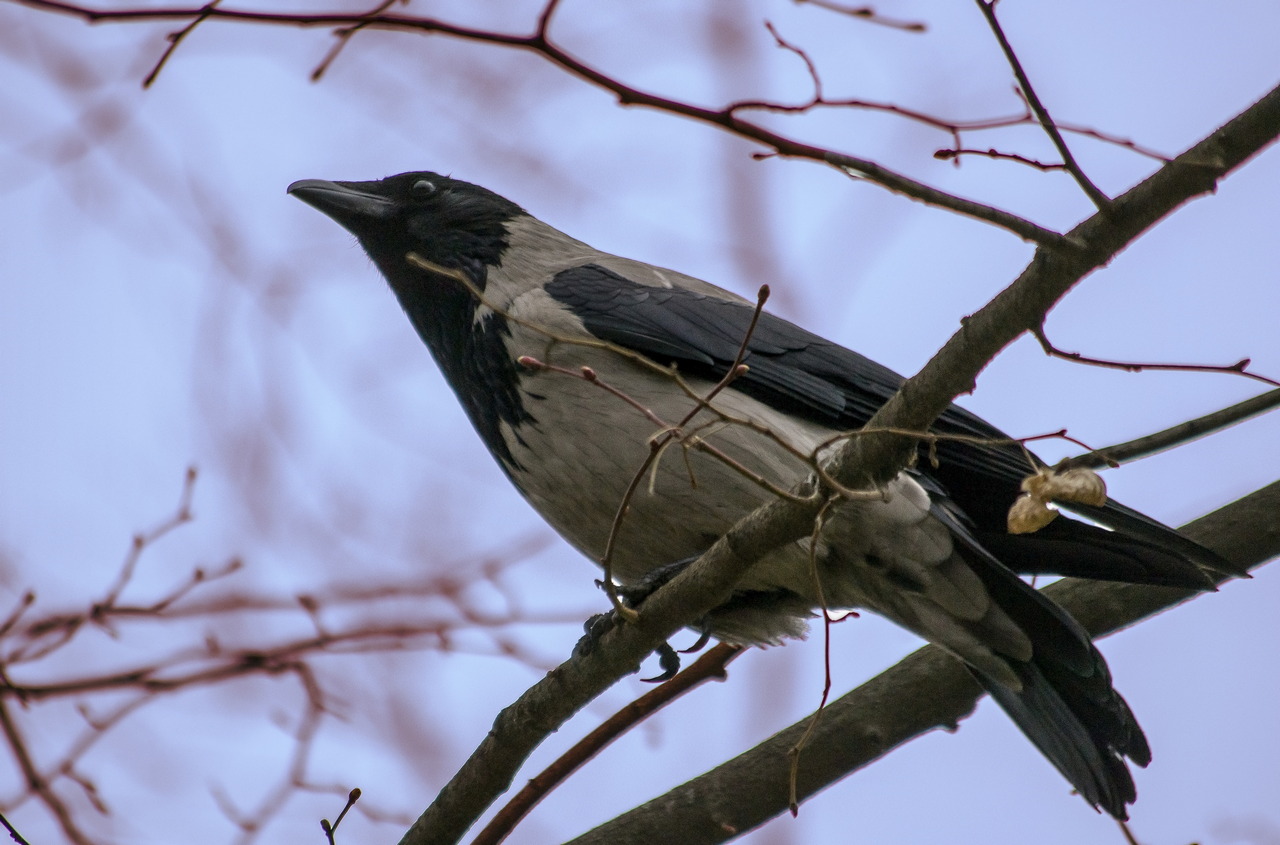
x=622 y=351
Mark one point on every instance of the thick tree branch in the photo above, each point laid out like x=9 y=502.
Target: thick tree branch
x=863 y=461
x=926 y=691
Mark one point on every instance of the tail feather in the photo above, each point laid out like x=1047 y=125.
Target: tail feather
x=1067 y=706
x=1137 y=527
x=1087 y=757
x=1068 y=547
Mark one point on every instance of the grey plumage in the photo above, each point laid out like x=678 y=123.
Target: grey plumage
x=931 y=553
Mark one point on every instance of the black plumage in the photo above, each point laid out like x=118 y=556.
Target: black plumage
x=488 y=283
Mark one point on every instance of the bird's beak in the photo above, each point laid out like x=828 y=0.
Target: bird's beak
x=346 y=203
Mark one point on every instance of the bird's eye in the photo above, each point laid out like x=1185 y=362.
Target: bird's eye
x=424 y=187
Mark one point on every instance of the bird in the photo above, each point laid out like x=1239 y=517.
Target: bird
x=569 y=361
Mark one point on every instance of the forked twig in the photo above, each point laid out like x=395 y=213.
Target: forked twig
x=709 y=667
x=343 y=36
x=176 y=38
x=1101 y=200
x=541 y=44
x=330 y=829
x=656 y=446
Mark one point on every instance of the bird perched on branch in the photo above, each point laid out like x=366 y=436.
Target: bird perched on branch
x=569 y=362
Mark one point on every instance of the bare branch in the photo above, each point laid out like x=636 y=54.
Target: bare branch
x=13 y=832
x=1239 y=368
x=865 y=13
x=804 y=57
x=1101 y=200
x=343 y=36
x=35 y=781
x=710 y=667
x=1177 y=435
x=954 y=155
x=329 y=829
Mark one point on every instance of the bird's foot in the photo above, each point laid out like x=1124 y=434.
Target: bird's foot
x=631 y=597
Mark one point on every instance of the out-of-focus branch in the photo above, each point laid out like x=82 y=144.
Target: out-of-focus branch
x=195 y=640
x=926 y=691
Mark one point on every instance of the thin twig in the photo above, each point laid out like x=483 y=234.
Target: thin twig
x=865 y=13
x=955 y=154
x=795 y=752
x=176 y=38
x=804 y=57
x=1101 y=200
x=709 y=667
x=35 y=782
x=1239 y=368
x=1177 y=435
x=343 y=36
x=330 y=829
x=655 y=448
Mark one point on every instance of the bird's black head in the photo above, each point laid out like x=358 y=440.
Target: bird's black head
x=450 y=223
x=455 y=226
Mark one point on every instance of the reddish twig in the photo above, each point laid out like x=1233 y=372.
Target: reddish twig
x=36 y=783
x=330 y=829
x=343 y=36
x=204 y=661
x=1239 y=368
x=176 y=38
x=803 y=56
x=955 y=154
x=865 y=13
x=709 y=667
x=656 y=446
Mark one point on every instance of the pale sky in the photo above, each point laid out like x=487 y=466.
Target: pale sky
x=163 y=303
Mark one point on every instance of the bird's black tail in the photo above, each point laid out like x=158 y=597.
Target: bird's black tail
x=1067 y=706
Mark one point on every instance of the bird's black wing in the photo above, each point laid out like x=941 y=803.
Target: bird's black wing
x=804 y=375
x=791 y=369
